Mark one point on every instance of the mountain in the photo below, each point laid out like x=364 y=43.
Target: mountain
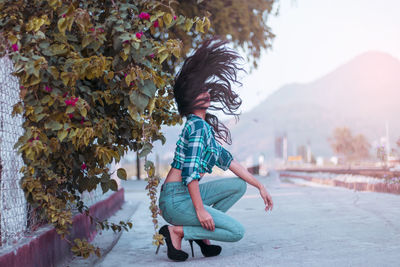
x=362 y=94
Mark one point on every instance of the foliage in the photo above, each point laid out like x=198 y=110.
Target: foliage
x=351 y=147
x=243 y=22
x=94 y=83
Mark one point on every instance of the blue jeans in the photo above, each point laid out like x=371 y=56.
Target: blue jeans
x=218 y=196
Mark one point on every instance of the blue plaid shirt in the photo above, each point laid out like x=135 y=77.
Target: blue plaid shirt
x=197 y=151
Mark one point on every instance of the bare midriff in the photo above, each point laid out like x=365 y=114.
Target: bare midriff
x=175 y=175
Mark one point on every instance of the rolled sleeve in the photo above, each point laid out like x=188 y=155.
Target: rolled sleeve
x=193 y=153
x=225 y=159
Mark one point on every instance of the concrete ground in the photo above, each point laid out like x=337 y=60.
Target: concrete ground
x=310 y=225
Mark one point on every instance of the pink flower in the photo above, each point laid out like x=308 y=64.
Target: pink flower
x=37 y=138
x=132 y=83
x=126 y=74
x=82 y=120
x=174 y=17
x=144 y=15
x=71 y=101
x=15 y=47
x=70 y=115
x=63 y=15
x=83 y=166
x=92 y=29
x=126 y=42
x=65 y=94
x=151 y=55
x=48 y=89
x=21 y=87
x=156 y=24
x=139 y=35
x=101 y=30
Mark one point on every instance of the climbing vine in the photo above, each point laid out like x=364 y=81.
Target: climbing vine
x=95 y=81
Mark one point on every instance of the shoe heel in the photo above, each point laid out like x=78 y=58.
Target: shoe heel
x=158 y=248
x=191 y=246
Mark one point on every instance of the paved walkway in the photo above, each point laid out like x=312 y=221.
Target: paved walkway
x=311 y=225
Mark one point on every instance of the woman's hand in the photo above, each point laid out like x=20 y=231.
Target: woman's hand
x=267 y=198
x=205 y=219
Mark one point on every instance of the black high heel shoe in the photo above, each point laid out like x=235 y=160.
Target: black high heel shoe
x=173 y=253
x=207 y=250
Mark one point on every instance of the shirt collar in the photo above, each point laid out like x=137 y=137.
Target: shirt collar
x=194 y=115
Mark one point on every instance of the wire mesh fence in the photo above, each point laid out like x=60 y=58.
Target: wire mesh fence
x=13 y=208
x=17 y=217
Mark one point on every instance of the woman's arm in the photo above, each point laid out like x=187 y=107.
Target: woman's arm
x=243 y=173
x=204 y=217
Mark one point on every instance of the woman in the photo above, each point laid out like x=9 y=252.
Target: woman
x=197 y=211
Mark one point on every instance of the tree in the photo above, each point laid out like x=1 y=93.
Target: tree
x=361 y=147
x=350 y=147
x=93 y=86
x=245 y=23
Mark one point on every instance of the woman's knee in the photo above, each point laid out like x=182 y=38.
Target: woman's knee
x=237 y=232
x=241 y=185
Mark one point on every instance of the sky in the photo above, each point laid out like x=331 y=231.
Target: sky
x=314 y=37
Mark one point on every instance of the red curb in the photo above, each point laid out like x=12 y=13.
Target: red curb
x=379 y=187
x=49 y=249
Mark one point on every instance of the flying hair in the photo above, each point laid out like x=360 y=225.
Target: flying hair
x=213 y=67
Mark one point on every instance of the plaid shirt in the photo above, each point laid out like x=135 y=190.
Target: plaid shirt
x=197 y=150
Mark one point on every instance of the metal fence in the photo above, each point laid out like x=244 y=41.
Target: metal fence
x=13 y=208
x=17 y=218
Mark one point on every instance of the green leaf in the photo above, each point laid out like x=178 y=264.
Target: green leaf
x=58 y=49
x=105 y=178
x=162 y=57
x=133 y=113
x=46 y=99
x=148 y=88
x=105 y=187
x=70 y=109
x=62 y=134
x=113 y=185
x=146 y=150
x=121 y=173
x=167 y=19
x=62 y=25
x=84 y=112
x=136 y=45
x=17 y=109
x=188 y=24
x=139 y=100
x=148 y=164
x=53 y=125
x=87 y=39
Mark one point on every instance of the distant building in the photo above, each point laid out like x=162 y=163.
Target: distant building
x=302 y=151
x=281 y=147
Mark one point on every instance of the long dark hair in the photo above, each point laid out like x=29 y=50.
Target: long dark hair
x=213 y=67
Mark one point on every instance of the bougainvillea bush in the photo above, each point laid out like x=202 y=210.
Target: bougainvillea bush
x=95 y=81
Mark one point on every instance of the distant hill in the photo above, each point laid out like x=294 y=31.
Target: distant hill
x=361 y=94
